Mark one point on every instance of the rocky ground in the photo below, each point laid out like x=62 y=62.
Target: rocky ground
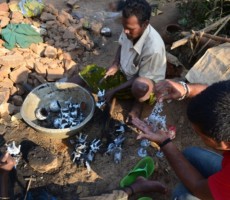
x=70 y=43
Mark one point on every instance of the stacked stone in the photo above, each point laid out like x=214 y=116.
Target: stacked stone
x=66 y=45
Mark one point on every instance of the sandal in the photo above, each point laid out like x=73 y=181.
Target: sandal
x=144 y=168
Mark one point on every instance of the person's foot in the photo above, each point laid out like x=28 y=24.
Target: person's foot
x=142 y=185
x=135 y=112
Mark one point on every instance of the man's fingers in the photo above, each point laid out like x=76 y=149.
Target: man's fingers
x=141 y=136
x=4 y=157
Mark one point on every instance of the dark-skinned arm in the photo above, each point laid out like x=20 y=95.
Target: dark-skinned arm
x=110 y=93
x=169 y=89
x=190 y=177
x=6 y=165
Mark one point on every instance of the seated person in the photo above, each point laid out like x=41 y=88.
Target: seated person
x=204 y=174
x=139 y=63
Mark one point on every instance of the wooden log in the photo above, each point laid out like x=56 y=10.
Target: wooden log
x=213 y=26
x=213 y=37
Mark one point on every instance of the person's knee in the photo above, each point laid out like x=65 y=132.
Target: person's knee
x=142 y=88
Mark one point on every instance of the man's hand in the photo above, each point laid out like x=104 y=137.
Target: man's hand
x=168 y=89
x=111 y=70
x=6 y=163
x=157 y=137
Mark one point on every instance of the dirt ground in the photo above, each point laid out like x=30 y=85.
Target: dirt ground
x=69 y=182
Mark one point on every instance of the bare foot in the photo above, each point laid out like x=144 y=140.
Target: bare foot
x=142 y=185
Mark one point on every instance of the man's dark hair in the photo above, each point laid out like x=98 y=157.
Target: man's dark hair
x=209 y=110
x=139 y=8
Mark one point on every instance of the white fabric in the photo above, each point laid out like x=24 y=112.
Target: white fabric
x=147 y=57
x=212 y=67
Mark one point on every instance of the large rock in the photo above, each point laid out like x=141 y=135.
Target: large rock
x=40 y=68
x=13 y=60
x=9 y=109
x=47 y=16
x=54 y=74
x=42 y=160
x=4 y=95
x=20 y=75
x=50 y=52
x=4 y=71
x=38 y=48
x=4 y=21
x=4 y=7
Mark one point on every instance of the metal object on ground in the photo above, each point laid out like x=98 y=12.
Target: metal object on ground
x=30 y=179
x=106 y=31
x=44 y=94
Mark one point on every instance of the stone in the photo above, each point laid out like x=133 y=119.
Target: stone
x=5 y=71
x=1 y=44
x=50 y=52
x=6 y=83
x=67 y=56
x=17 y=15
x=40 y=68
x=17 y=100
x=54 y=74
x=4 y=13
x=71 y=47
x=8 y=108
x=42 y=160
x=54 y=64
x=63 y=19
x=16 y=117
x=20 y=89
x=41 y=79
x=20 y=75
x=51 y=9
x=38 y=48
x=4 y=95
x=96 y=27
x=15 y=21
x=4 y=21
x=68 y=64
x=13 y=91
x=4 y=7
x=47 y=17
x=71 y=2
x=13 y=60
x=30 y=63
x=50 y=24
x=68 y=34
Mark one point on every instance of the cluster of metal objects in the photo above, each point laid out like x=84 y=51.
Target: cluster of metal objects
x=157 y=122
x=114 y=148
x=84 y=152
x=155 y=119
x=61 y=115
x=100 y=99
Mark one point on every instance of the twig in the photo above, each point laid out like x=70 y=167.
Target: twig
x=184 y=40
x=220 y=28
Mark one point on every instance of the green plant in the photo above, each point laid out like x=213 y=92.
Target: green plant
x=200 y=13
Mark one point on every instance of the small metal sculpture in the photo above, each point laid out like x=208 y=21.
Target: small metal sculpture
x=115 y=149
x=14 y=151
x=101 y=98
x=142 y=151
x=60 y=116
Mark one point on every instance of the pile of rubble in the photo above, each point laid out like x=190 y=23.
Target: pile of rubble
x=66 y=45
